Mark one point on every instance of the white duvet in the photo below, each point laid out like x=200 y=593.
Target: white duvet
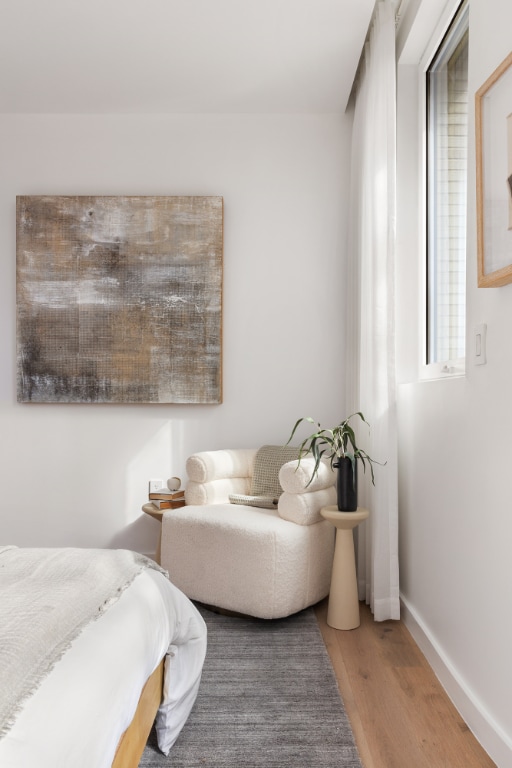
x=80 y=711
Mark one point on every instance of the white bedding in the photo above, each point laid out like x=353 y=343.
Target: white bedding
x=80 y=711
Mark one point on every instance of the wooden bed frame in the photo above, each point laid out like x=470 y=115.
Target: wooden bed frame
x=132 y=742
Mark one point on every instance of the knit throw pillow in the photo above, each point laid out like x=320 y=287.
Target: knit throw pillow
x=267 y=463
x=265 y=487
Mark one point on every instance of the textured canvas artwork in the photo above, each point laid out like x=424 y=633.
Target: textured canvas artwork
x=119 y=299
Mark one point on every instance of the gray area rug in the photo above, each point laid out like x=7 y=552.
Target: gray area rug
x=268 y=697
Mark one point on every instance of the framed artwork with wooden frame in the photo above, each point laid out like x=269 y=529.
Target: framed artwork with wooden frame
x=493 y=125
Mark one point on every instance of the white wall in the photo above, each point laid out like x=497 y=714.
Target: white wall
x=455 y=456
x=77 y=474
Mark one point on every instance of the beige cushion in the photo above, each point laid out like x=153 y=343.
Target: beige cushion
x=265 y=487
x=268 y=461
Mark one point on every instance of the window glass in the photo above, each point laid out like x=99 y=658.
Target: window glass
x=447 y=143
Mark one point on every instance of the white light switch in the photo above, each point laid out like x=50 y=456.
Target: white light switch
x=480 y=345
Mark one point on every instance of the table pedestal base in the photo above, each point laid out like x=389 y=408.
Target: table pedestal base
x=343 y=609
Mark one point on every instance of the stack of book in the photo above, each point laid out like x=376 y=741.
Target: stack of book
x=165 y=499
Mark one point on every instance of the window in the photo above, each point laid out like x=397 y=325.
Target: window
x=447 y=140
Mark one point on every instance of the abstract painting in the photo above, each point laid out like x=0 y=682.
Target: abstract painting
x=119 y=299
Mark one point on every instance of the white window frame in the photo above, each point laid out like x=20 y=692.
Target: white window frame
x=446 y=368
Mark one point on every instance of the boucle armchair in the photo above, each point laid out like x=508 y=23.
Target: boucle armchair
x=251 y=538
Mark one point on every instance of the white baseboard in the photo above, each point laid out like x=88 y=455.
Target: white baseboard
x=491 y=736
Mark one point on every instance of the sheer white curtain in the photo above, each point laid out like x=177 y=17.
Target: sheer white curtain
x=370 y=283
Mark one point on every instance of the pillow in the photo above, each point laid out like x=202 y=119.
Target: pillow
x=297 y=479
x=207 y=466
x=265 y=488
x=267 y=502
x=304 y=508
x=215 y=492
x=268 y=461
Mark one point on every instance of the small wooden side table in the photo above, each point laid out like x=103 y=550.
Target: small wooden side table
x=343 y=609
x=153 y=511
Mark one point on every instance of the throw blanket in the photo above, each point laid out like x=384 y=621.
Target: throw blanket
x=47 y=596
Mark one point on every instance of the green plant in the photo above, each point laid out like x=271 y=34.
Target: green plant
x=333 y=444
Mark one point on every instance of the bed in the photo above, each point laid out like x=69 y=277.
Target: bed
x=100 y=642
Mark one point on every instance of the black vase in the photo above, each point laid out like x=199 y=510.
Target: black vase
x=346 y=484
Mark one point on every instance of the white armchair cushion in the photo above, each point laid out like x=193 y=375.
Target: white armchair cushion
x=294 y=477
x=215 y=491
x=304 y=508
x=206 y=466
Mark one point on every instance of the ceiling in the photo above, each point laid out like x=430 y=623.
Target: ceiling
x=171 y=56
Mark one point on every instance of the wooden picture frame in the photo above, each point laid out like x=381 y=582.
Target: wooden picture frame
x=493 y=126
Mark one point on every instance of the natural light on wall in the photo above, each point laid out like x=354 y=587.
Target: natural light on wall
x=447 y=139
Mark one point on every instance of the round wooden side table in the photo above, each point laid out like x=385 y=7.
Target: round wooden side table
x=343 y=609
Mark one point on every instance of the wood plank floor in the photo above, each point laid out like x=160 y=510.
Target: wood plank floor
x=400 y=715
